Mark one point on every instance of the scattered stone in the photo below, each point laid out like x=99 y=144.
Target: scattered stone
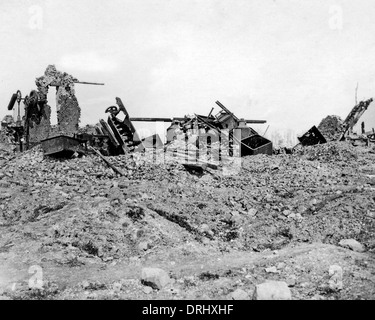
x=305 y=284
x=5 y=195
x=123 y=184
x=352 y=244
x=117 y=286
x=239 y=294
x=272 y=290
x=155 y=278
x=301 y=209
x=335 y=282
x=147 y=290
x=291 y=281
x=85 y=284
x=224 y=284
x=107 y=259
x=272 y=270
x=252 y=212
x=205 y=227
x=174 y=291
x=286 y=213
x=144 y=246
x=281 y=265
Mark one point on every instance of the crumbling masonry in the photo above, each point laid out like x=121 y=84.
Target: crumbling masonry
x=39 y=112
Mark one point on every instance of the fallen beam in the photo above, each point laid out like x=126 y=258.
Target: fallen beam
x=156 y=119
x=92 y=83
x=107 y=162
x=140 y=119
x=256 y=121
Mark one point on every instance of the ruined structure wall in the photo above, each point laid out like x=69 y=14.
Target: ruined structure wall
x=68 y=110
x=41 y=130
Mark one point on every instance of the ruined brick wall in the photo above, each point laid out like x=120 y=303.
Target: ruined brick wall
x=39 y=129
x=68 y=110
x=38 y=114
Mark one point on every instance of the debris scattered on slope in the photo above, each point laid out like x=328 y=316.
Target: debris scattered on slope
x=329 y=152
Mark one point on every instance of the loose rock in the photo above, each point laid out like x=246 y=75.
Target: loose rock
x=155 y=278
x=336 y=273
x=272 y=290
x=272 y=270
x=239 y=294
x=352 y=244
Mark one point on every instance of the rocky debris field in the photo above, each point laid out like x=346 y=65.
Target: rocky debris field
x=295 y=226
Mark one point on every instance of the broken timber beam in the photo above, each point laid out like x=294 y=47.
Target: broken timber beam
x=156 y=119
x=256 y=121
x=107 y=162
x=226 y=110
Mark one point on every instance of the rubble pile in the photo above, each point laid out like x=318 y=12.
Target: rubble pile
x=4 y=138
x=273 y=180
x=331 y=127
x=77 y=212
x=101 y=200
x=86 y=210
x=333 y=151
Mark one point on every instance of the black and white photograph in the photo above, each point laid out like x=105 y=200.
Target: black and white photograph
x=187 y=155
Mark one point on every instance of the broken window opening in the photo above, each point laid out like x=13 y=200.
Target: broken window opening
x=51 y=101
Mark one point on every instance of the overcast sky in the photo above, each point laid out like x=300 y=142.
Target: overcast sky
x=289 y=62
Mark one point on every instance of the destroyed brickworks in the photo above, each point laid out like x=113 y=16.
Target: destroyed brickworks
x=215 y=212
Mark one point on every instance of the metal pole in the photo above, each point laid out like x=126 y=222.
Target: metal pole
x=92 y=83
x=266 y=130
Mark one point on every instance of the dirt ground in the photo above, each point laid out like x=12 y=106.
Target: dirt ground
x=87 y=232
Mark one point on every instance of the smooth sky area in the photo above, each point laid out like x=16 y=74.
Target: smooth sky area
x=289 y=62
